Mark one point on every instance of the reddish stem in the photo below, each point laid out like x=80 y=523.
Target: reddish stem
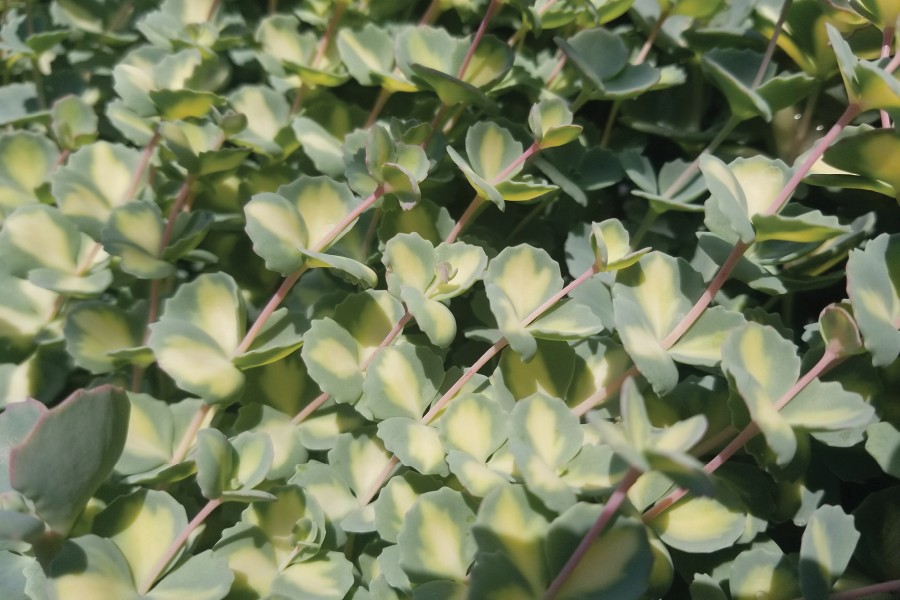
x=273 y=303
x=431 y=13
x=604 y=392
x=325 y=41
x=886 y=42
x=176 y=545
x=323 y=397
x=869 y=590
x=383 y=96
x=651 y=37
x=828 y=361
x=558 y=68
x=479 y=34
x=62 y=158
x=146 y=155
x=609 y=510
x=190 y=434
x=385 y=473
x=773 y=42
x=289 y=281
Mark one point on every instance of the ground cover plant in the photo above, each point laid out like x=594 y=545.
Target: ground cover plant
x=463 y=299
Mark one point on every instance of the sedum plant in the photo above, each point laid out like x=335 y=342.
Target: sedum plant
x=492 y=299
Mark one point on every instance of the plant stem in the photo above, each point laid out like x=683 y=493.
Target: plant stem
x=435 y=123
x=180 y=201
x=886 y=42
x=610 y=119
x=325 y=40
x=560 y=63
x=495 y=348
x=324 y=396
x=479 y=34
x=146 y=155
x=431 y=13
x=773 y=42
x=869 y=590
x=370 y=231
x=828 y=361
x=609 y=510
x=190 y=434
x=273 y=303
x=383 y=96
x=604 y=392
x=289 y=281
x=176 y=545
x=733 y=259
x=213 y=9
x=63 y=157
x=651 y=37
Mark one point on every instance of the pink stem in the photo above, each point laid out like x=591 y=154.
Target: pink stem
x=773 y=42
x=274 y=302
x=325 y=41
x=383 y=96
x=146 y=155
x=558 y=68
x=651 y=37
x=431 y=13
x=604 y=392
x=478 y=202
x=609 y=510
x=291 y=279
x=63 y=157
x=869 y=590
x=180 y=201
x=474 y=207
x=482 y=28
x=828 y=361
x=886 y=42
x=385 y=473
x=190 y=434
x=176 y=545
x=323 y=397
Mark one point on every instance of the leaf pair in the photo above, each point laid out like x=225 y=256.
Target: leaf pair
x=197 y=339
x=389 y=165
x=424 y=277
x=294 y=227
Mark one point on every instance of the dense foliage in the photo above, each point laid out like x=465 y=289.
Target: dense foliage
x=499 y=299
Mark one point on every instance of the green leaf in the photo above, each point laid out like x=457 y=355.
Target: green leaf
x=733 y=72
x=510 y=524
x=550 y=121
x=873 y=281
x=142 y=525
x=203 y=576
x=366 y=52
x=547 y=426
x=26 y=163
x=761 y=571
x=825 y=550
x=19 y=102
x=883 y=444
x=702 y=344
x=196 y=337
x=90 y=567
x=296 y=223
x=356 y=271
x=215 y=458
x=96 y=179
x=268 y=129
x=134 y=233
x=27 y=309
x=332 y=356
x=612 y=249
x=435 y=540
x=584 y=48
x=74 y=122
x=701 y=525
x=359 y=457
x=518 y=281
x=255 y=453
x=616 y=565
x=475 y=424
x=96 y=332
x=287 y=445
x=549 y=371
x=16 y=421
x=869 y=154
x=402 y=381
x=566 y=320
x=826 y=406
x=763 y=366
x=396 y=499
x=40 y=243
x=329 y=576
x=69 y=452
x=415 y=445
